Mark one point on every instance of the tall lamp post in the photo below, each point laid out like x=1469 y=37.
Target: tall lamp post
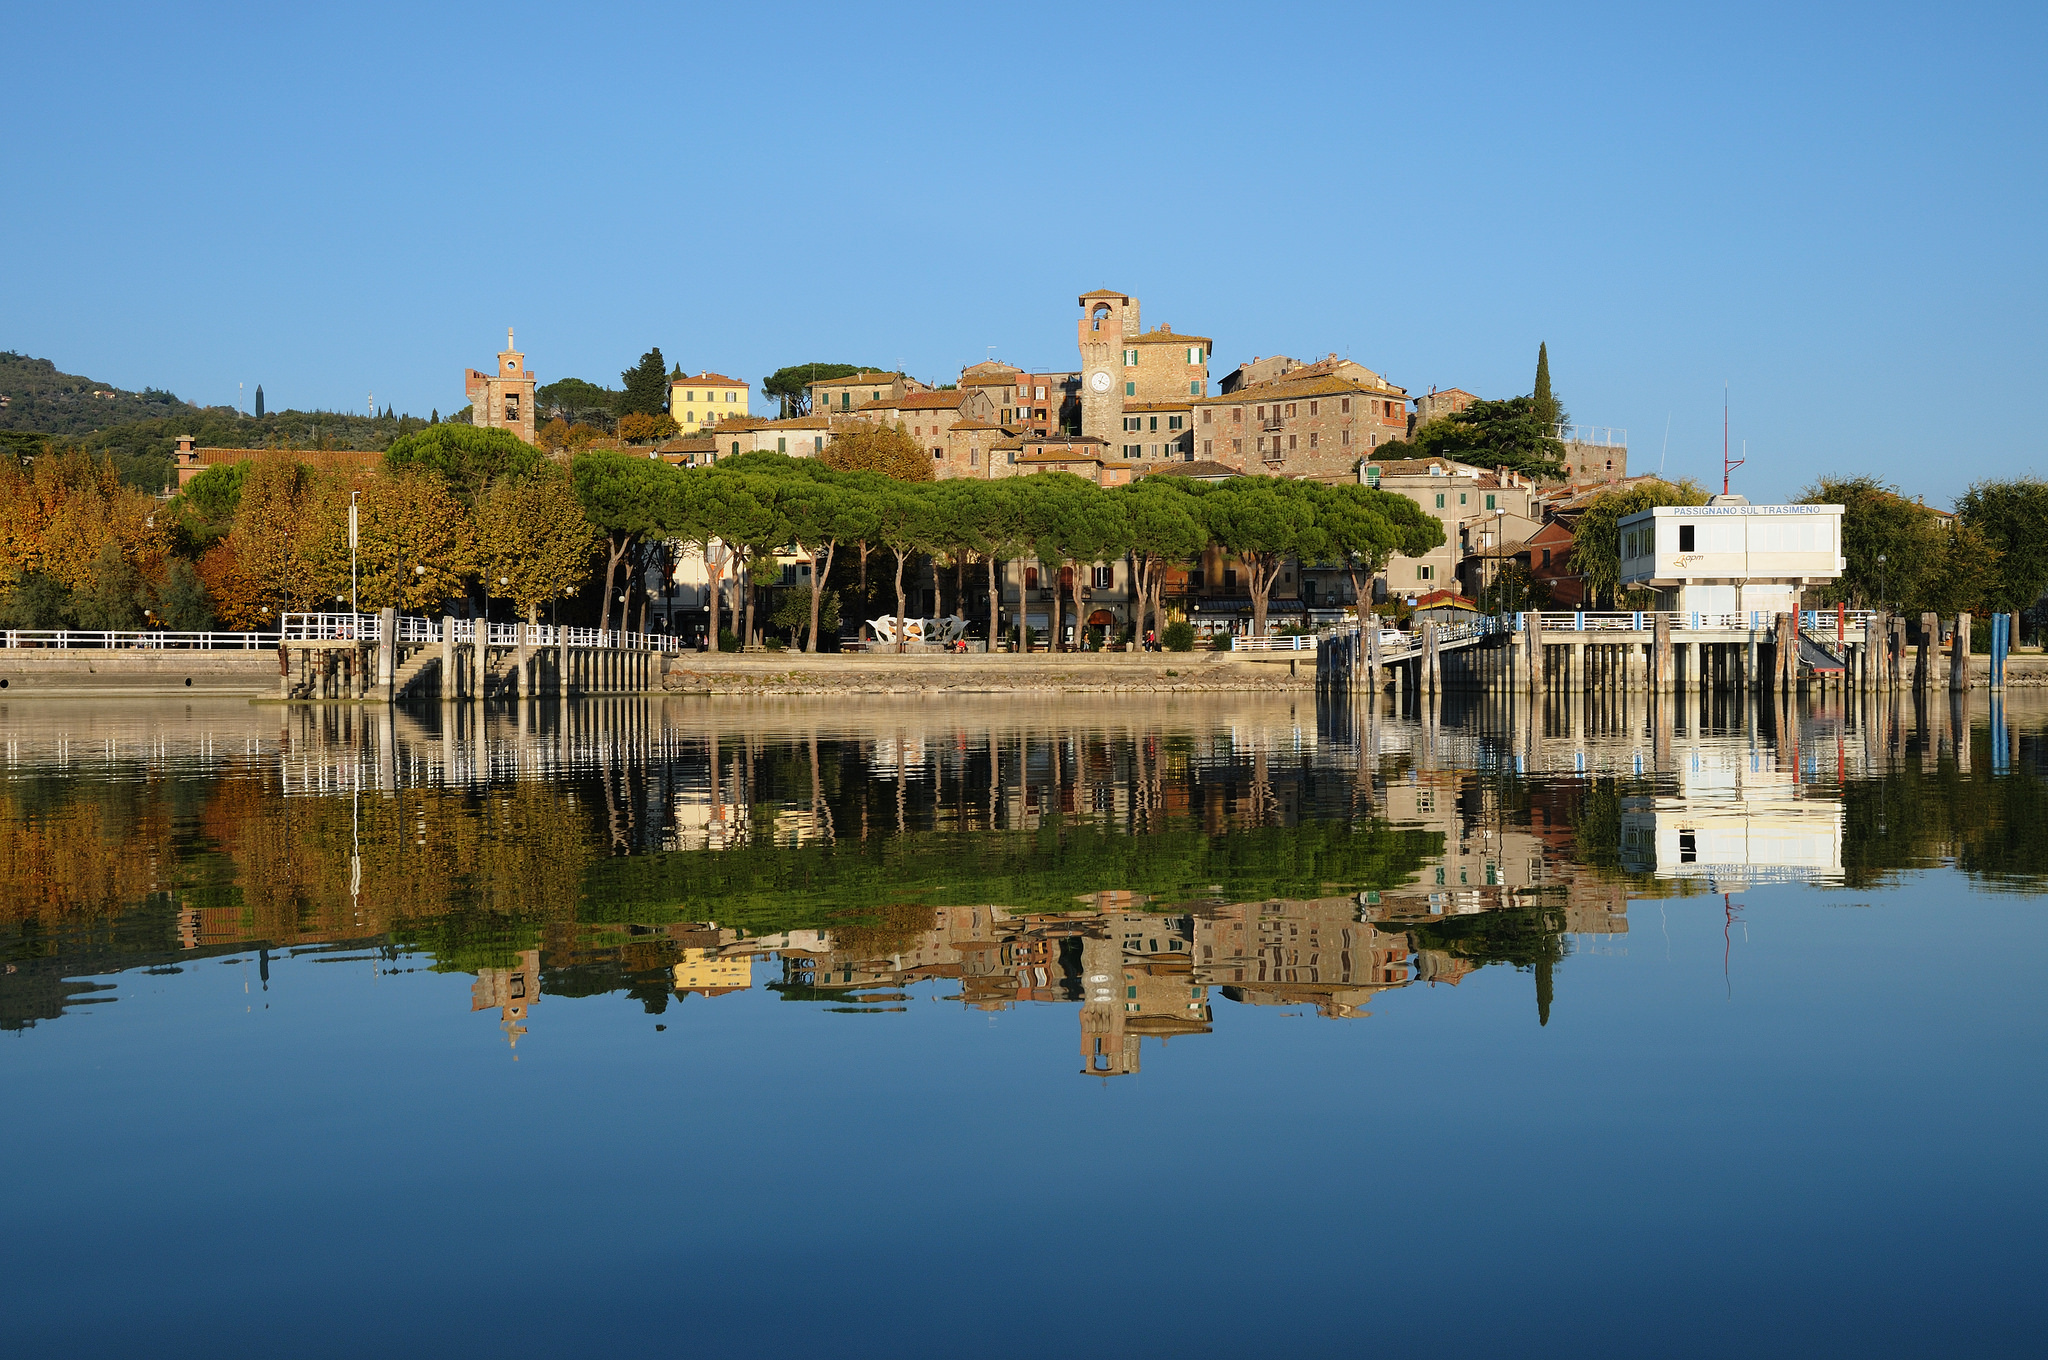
x=353 y=606
x=1883 y=595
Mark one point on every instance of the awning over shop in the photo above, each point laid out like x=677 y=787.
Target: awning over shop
x=1242 y=604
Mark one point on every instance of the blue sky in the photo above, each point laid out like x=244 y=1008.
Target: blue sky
x=1836 y=210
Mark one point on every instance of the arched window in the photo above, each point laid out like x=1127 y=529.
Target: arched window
x=1101 y=314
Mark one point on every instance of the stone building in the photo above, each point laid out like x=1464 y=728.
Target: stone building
x=1122 y=363
x=502 y=400
x=840 y=396
x=1045 y=403
x=1154 y=430
x=798 y=436
x=1477 y=508
x=705 y=399
x=1439 y=405
x=1317 y=420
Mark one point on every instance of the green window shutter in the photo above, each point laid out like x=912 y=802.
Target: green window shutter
x=1489 y=503
x=782 y=446
x=1439 y=500
x=1130 y=389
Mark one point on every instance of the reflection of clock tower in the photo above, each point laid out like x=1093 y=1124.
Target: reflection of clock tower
x=1107 y=320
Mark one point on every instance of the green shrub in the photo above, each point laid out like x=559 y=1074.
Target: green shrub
x=1220 y=643
x=1179 y=636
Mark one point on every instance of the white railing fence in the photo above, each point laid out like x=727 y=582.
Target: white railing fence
x=370 y=628
x=66 y=639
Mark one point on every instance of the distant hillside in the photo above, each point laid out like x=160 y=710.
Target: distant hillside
x=38 y=397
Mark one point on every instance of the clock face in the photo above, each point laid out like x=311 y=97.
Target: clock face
x=1100 y=382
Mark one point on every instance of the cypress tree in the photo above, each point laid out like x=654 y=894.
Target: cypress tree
x=646 y=386
x=1548 y=408
x=259 y=399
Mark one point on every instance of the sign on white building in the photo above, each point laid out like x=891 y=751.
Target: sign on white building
x=1728 y=558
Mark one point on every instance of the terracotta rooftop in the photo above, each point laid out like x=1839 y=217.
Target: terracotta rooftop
x=1298 y=384
x=855 y=379
x=1187 y=405
x=707 y=380
x=1103 y=292
x=1164 y=336
x=1202 y=467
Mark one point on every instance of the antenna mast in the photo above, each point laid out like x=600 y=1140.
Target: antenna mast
x=1728 y=464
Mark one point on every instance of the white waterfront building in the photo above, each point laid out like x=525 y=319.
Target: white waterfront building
x=1728 y=556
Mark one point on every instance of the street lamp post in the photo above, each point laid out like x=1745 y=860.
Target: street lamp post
x=1883 y=595
x=354 y=606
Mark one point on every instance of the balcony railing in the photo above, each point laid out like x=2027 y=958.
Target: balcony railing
x=1605 y=436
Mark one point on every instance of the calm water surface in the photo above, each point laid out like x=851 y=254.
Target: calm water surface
x=1008 y=1027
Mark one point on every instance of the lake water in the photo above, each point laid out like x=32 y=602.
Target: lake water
x=1176 y=1026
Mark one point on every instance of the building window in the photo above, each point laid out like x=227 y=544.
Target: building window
x=1130 y=389
x=1262 y=443
x=1461 y=498
x=1311 y=439
x=1685 y=542
x=1344 y=437
x=1103 y=577
x=1312 y=408
x=1439 y=500
x=1237 y=413
x=1173 y=422
x=1040 y=395
x=938 y=453
x=1490 y=502
x=1290 y=410
x=1260 y=414
x=817 y=443
x=1237 y=447
x=1344 y=406
x=1194 y=389
x=1207 y=415
x=782 y=445
x=735 y=446
x=1155 y=423
x=973 y=457
x=1290 y=443
x=1194 y=355
x=1422 y=573
x=1031 y=578
x=1208 y=447
x=1546 y=557
x=1130 y=358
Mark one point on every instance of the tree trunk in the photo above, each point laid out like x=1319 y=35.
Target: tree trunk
x=743 y=598
x=818 y=592
x=1080 y=614
x=993 y=602
x=938 y=595
x=1260 y=573
x=716 y=588
x=617 y=548
x=1055 y=643
x=1023 y=612
x=901 y=553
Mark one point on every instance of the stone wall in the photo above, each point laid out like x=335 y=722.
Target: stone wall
x=26 y=672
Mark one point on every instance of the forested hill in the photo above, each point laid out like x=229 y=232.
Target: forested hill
x=139 y=430
x=40 y=398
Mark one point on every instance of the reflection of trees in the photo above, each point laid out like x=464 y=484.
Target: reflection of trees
x=1916 y=818
x=257 y=865
x=1529 y=938
x=69 y=850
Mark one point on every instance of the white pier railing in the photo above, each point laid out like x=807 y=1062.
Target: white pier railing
x=370 y=628
x=100 y=639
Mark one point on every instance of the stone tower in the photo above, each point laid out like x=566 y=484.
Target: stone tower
x=503 y=400
x=1108 y=318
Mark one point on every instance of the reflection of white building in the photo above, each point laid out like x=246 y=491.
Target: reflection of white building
x=1729 y=556
x=1737 y=820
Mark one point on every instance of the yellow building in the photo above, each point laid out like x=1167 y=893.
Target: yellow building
x=705 y=400
x=710 y=973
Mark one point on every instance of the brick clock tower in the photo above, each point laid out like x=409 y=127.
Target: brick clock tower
x=1108 y=318
x=503 y=400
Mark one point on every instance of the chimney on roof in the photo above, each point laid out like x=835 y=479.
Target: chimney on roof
x=1165 y=329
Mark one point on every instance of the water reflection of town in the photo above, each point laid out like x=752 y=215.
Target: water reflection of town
x=1541 y=825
